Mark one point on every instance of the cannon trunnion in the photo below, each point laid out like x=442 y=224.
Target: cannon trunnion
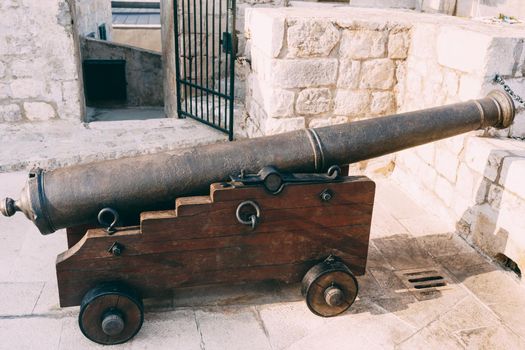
x=240 y=233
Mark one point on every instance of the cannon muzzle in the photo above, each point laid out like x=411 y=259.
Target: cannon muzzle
x=75 y=195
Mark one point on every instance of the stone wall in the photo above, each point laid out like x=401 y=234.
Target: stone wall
x=89 y=14
x=148 y=38
x=475 y=8
x=316 y=71
x=144 y=74
x=313 y=67
x=39 y=73
x=469 y=179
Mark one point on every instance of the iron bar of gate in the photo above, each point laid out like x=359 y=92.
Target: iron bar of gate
x=194 y=56
x=220 y=59
x=233 y=54
x=184 y=57
x=200 y=58
x=190 y=57
x=226 y=43
x=177 y=66
x=207 y=64
x=213 y=58
x=193 y=26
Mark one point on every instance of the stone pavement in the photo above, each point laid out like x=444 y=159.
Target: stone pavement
x=58 y=143
x=480 y=307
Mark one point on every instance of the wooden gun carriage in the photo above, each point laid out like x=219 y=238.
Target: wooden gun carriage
x=315 y=229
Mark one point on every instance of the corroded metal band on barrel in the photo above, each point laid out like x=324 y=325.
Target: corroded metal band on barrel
x=39 y=202
x=317 y=148
x=505 y=106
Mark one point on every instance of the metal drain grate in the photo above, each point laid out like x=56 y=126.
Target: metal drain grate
x=424 y=282
x=425 y=279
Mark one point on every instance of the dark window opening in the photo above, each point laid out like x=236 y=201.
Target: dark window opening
x=102 y=32
x=105 y=82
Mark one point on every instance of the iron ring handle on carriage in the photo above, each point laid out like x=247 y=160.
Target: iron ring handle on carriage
x=253 y=218
x=109 y=225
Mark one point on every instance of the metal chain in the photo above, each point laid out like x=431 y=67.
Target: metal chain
x=499 y=80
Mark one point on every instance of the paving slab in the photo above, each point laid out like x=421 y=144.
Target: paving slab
x=53 y=144
x=480 y=306
x=231 y=328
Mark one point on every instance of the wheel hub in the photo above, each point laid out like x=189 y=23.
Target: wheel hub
x=113 y=324
x=333 y=296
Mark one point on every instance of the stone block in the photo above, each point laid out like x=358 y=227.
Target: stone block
x=351 y=103
x=27 y=88
x=37 y=67
x=231 y=329
x=417 y=168
x=445 y=191
x=71 y=107
x=494 y=196
x=363 y=44
x=321 y=122
x=10 y=113
x=288 y=323
x=454 y=144
x=2 y=70
x=279 y=102
x=310 y=38
x=382 y=103
x=450 y=82
x=398 y=45
x=517 y=129
x=348 y=74
x=36 y=111
x=423 y=41
x=303 y=73
x=447 y=164
x=33 y=333
x=377 y=74
x=314 y=101
x=426 y=152
x=462 y=49
x=512 y=175
x=400 y=87
x=266 y=31
x=467 y=182
x=26 y=294
x=484 y=157
x=439 y=6
x=5 y=90
x=501 y=56
x=470 y=87
x=404 y=4
x=274 y=126
x=494 y=337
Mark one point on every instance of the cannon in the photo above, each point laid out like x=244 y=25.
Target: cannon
x=270 y=208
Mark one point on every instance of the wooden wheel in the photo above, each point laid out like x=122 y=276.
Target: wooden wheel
x=329 y=288
x=110 y=313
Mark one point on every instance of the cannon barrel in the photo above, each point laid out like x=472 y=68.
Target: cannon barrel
x=74 y=195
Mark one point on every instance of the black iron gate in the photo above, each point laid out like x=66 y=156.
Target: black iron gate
x=205 y=47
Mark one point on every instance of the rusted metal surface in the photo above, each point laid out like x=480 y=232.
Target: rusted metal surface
x=75 y=195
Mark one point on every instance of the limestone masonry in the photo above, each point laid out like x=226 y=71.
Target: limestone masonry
x=315 y=67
